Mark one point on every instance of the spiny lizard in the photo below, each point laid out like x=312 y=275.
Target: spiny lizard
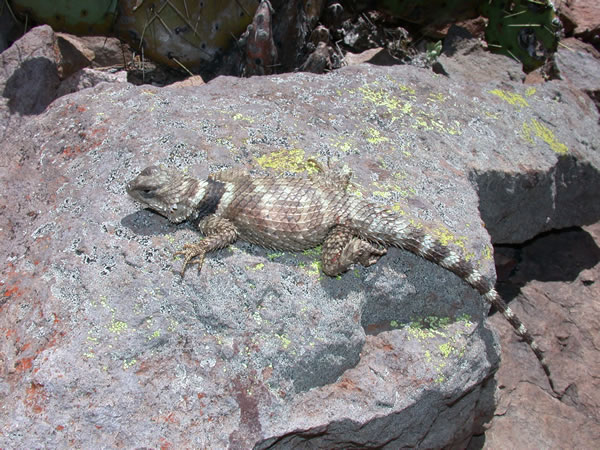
x=294 y=213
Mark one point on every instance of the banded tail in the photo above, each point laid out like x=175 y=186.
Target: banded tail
x=391 y=230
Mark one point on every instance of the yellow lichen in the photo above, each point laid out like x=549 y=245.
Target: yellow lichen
x=537 y=129
x=274 y=255
x=154 y=335
x=285 y=341
x=437 y=97
x=379 y=97
x=446 y=237
x=117 y=326
x=258 y=266
x=342 y=145
x=510 y=97
x=127 y=365
x=239 y=116
x=287 y=160
x=375 y=136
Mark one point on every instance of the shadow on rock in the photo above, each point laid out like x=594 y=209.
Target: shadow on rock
x=552 y=256
x=32 y=87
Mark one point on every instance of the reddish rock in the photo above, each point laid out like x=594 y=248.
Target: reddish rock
x=559 y=281
x=583 y=16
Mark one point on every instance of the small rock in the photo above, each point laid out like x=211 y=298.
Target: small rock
x=196 y=80
x=318 y=61
x=587 y=277
x=75 y=55
x=30 y=72
x=320 y=34
x=378 y=56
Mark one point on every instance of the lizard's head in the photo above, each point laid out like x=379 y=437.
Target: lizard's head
x=168 y=192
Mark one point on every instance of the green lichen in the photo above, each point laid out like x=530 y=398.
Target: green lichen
x=273 y=256
x=437 y=97
x=446 y=237
x=258 y=266
x=385 y=189
x=429 y=122
x=314 y=268
x=314 y=252
x=343 y=145
x=487 y=252
x=382 y=194
x=172 y=325
x=446 y=349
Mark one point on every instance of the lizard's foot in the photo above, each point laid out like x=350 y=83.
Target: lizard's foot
x=341 y=249
x=193 y=254
x=368 y=254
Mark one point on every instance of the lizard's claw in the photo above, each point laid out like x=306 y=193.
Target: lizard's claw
x=193 y=254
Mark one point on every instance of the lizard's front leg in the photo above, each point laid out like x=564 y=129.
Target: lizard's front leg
x=219 y=234
x=342 y=248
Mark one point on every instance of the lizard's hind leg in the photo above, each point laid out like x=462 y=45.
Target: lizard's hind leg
x=342 y=248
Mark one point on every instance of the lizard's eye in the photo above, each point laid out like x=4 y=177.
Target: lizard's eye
x=147 y=193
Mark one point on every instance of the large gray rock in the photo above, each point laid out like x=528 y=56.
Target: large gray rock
x=105 y=345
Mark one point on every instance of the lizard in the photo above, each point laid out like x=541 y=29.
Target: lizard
x=298 y=213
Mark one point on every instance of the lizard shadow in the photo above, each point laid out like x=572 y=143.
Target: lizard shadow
x=145 y=222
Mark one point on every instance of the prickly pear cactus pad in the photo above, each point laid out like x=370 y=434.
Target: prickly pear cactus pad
x=526 y=30
x=81 y=17
x=176 y=32
x=430 y=11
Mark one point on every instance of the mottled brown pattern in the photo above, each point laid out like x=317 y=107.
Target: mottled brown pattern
x=294 y=213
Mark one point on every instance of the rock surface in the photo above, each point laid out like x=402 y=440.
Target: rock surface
x=556 y=283
x=579 y=63
x=104 y=343
x=584 y=18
